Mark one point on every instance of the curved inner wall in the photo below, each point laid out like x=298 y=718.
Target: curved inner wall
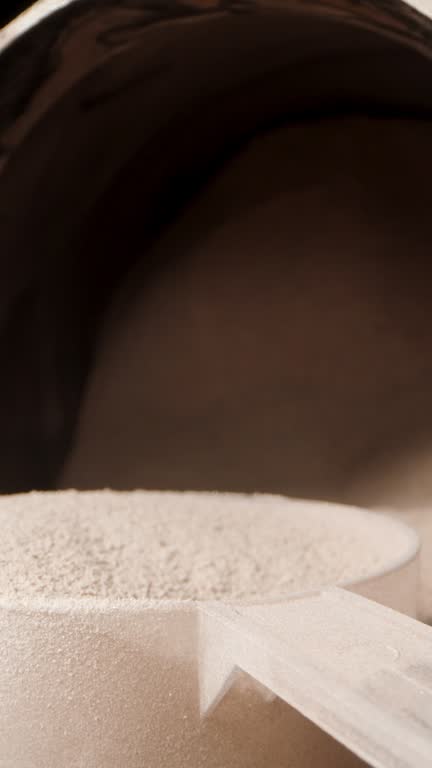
x=289 y=346
x=282 y=344
x=285 y=312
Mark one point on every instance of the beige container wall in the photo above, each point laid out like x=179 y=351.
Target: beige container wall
x=248 y=730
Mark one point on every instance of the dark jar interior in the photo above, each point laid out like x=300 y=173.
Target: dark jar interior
x=114 y=120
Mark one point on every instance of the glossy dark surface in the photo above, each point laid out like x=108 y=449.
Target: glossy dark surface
x=112 y=112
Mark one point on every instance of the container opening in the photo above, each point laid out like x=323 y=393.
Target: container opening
x=90 y=196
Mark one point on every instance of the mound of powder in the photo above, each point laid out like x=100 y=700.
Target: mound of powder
x=185 y=546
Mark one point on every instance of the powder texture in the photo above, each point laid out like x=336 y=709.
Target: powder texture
x=198 y=546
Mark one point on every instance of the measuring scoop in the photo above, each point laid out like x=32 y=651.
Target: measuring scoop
x=360 y=671
x=102 y=681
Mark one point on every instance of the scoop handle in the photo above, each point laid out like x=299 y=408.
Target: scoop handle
x=360 y=671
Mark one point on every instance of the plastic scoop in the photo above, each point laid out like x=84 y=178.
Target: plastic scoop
x=360 y=671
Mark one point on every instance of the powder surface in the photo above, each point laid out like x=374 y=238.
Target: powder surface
x=185 y=546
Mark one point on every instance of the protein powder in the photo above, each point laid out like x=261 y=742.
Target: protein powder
x=184 y=546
